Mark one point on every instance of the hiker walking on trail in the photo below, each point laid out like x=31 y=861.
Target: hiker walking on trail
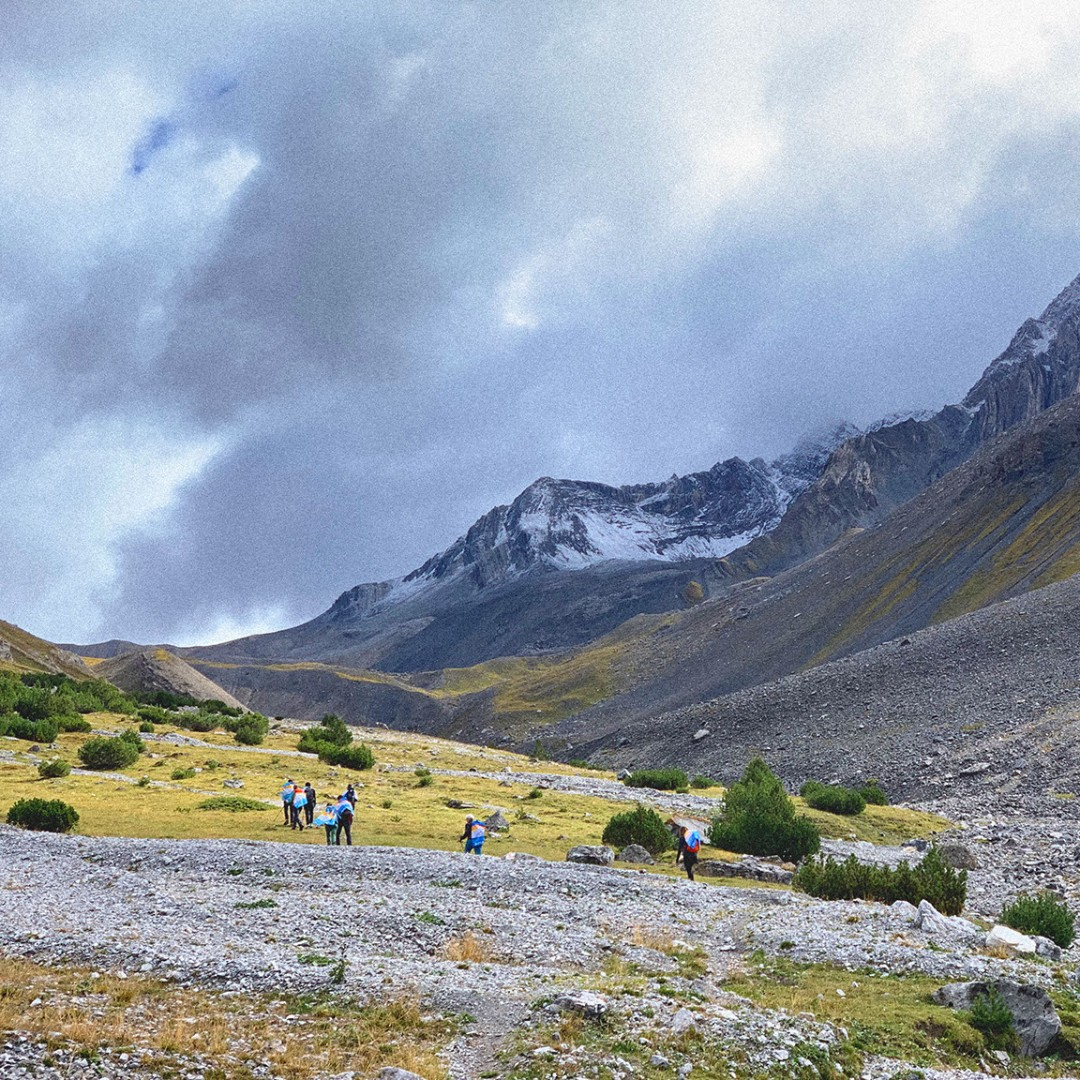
x=473 y=836
x=344 y=811
x=286 y=800
x=689 y=846
x=350 y=794
x=299 y=801
x=309 y=806
x=329 y=819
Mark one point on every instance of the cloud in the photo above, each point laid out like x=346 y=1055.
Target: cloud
x=321 y=286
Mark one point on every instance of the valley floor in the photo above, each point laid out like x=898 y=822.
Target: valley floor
x=475 y=954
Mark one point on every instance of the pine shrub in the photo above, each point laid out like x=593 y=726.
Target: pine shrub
x=700 y=781
x=358 y=756
x=233 y=803
x=643 y=826
x=833 y=798
x=873 y=794
x=251 y=729
x=670 y=779
x=52 y=770
x=103 y=752
x=758 y=818
x=19 y=727
x=131 y=736
x=991 y=1015
x=182 y=774
x=1044 y=915
x=932 y=879
x=331 y=730
x=43 y=815
x=74 y=724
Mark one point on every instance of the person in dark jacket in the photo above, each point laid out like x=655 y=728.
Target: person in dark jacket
x=344 y=812
x=689 y=846
x=350 y=794
x=309 y=806
x=473 y=836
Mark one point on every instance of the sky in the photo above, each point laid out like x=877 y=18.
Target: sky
x=291 y=293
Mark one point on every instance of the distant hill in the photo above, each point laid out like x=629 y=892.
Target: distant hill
x=20 y=651
x=158 y=669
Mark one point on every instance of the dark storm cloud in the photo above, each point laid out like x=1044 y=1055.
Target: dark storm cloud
x=292 y=295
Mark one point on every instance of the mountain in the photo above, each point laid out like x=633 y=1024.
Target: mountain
x=158 y=669
x=568 y=561
x=1004 y=523
x=20 y=651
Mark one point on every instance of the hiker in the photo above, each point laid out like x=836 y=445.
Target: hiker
x=689 y=846
x=286 y=799
x=473 y=835
x=309 y=806
x=299 y=801
x=344 y=811
x=329 y=819
x=350 y=794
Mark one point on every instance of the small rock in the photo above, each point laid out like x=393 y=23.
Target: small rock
x=635 y=853
x=584 y=1002
x=958 y=856
x=683 y=1021
x=701 y=733
x=595 y=856
x=1005 y=937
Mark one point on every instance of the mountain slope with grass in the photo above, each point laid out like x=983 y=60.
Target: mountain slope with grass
x=21 y=651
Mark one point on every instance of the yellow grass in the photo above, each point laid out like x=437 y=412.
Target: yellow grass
x=93 y=1013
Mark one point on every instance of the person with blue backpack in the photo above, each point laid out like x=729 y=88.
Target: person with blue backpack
x=299 y=801
x=286 y=799
x=689 y=846
x=473 y=836
x=329 y=819
x=344 y=813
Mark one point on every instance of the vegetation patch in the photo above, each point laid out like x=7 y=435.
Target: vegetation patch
x=833 y=798
x=1044 y=915
x=670 y=779
x=43 y=815
x=233 y=804
x=643 y=826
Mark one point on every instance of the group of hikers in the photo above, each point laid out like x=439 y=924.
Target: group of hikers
x=298 y=802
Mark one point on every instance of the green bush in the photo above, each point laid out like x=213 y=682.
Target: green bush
x=43 y=815
x=75 y=724
x=196 y=721
x=251 y=730
x=991 y=1015
x=758 y=818
x=873 y=794
x=331 y=730
x=182 y=774
x=700 y=781
x=833 y=798
x=51 y=770
x=19 y=727
x=154 y=715
x=103 y=752
x=348 y=757
x=583 y=763
x=670 y=779
x=146 y=727
x=426 y=780
x=932 y=879
x=232 y=803
x=643 y=826
x=1044 y=915
x=132 y=736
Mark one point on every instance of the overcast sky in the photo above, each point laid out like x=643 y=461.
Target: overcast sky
x=291 y=293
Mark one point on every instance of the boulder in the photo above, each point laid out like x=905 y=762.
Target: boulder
x=522 y=857
x=584 y=1002
x=932 y=922
x=497 y=821
x=233 y=783
x=1005 y=937
x=635 y=853
x=750 y=868
x=902 y=911
x=457 y=804
x=958 y=856
x=1036 y=1021
x=684 y=1021
x=595 y=856
x=701 y=733
x=1047 y=949
x=623 y=774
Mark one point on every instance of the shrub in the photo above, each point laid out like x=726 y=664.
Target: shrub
x=700 y=781
x=107 y=753
x=535 y=793
x=426 y=780
x=331 y=730
x=932 y=879
x=348 y=757
x=758 y=818
x=643 y=826
x=196 y=721
x=661 y=779
x=154 y=715
x=182 y=774
x=1044 y=915
x=582 y=763
x=232 y=803
x=17 y=726
x=213 y=705
x=251 y=730
x=991 y=1015
x=132 y=736
x=873 y=794
x=833 y=798
x=75 y=724
x=146 y=727
x=51 y=770
x=44 y=815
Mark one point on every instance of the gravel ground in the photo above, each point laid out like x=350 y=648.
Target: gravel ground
x=169 y=908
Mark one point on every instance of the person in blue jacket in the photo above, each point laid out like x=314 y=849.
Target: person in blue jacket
x=344 y=812
x=286 y=799
x=299 y=801
x=329 y=819
x=473 y=836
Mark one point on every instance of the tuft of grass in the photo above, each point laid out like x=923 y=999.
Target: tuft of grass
x=232 y=803
x=469 y=947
